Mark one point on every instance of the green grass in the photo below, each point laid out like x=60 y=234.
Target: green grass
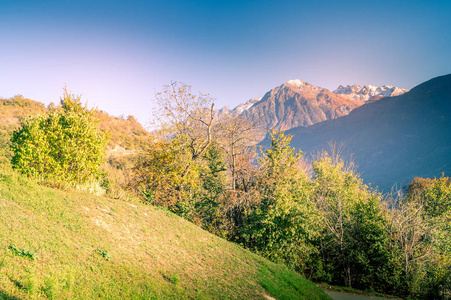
x=59 y=245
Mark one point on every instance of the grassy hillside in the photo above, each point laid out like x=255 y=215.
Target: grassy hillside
x=58 y=245
x=126 y=133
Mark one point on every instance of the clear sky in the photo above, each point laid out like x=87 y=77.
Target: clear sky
x=118 y=54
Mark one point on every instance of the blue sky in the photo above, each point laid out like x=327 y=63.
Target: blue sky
x=118 y=54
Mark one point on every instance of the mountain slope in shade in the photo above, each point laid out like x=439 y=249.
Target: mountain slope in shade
x=297 y=103
x=368 y=92
x=393 y=139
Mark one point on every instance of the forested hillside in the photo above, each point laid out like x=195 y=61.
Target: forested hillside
x=321 y=219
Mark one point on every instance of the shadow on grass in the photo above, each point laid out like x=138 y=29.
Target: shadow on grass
x=5 y=296
x=282 y=283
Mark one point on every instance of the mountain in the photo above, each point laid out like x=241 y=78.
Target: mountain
x=394 y=139
x=297 y=103
x=244 y=107
x=219 y=113
x=368 y=92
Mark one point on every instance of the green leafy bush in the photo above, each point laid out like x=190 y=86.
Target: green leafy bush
x=63 y=145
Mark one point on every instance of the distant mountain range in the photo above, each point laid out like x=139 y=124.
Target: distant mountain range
x=393 y=139
x=298 y=103
x=369 y=92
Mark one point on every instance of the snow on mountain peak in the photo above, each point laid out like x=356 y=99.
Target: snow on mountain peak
x=368 y=91
x=347 y=90
x=299 y=84
x=296 y=82
x=245 y=106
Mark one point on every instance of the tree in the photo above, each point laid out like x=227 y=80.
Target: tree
x=423 y=231
x=158 y=173
x=210 y=203
x=354 y=237
x=63 y=145
x=184 y=167
x=436 y=194
x=197 y=195
x=282 y=225
x=411 y=240
x=191 y=117
x=169 y=170
x=237 y=135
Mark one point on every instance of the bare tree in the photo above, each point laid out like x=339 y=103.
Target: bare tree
x=237 y=135
x=188 y=116
x=413 y=235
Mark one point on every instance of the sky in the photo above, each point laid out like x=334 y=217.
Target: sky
x=118 y=54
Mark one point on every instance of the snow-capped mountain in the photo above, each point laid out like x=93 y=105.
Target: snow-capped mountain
x=242 y=107
x=367 y=92
x=298 y=103
x=237 y=110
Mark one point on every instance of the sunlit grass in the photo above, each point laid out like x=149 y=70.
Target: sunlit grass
x=63 y=244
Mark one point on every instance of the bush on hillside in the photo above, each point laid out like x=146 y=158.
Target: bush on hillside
x=62 y=145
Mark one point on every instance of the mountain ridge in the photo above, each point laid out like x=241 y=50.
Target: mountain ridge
x=367 y=92
x=299 y=103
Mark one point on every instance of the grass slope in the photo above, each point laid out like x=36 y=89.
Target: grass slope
x=58 y=245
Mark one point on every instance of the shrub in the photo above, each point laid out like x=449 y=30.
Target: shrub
x=63 y=144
